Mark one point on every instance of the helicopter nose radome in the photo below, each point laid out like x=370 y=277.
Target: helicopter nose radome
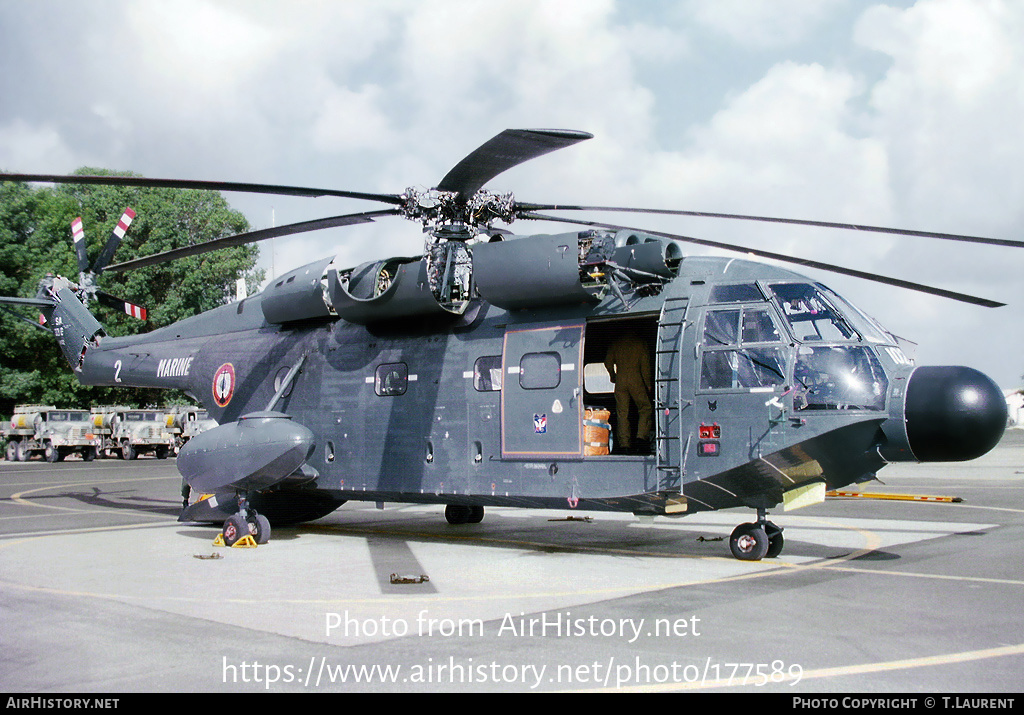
x=952 y=414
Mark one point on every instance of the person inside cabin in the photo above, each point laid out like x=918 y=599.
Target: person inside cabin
x=629 y=367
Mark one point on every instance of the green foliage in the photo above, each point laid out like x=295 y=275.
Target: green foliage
x=35 y=239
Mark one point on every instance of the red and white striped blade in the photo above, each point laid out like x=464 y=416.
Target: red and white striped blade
x=111 y=301
x=114 y=241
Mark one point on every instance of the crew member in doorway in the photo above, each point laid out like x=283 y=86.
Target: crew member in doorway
x=629 y=366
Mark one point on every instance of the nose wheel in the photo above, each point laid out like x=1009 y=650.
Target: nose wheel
x=758 y=540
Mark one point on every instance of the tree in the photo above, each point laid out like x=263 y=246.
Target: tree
x=35 y=239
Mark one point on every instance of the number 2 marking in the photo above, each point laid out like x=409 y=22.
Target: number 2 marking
x=117 y=371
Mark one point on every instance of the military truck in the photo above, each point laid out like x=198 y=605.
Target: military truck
x=127 y=432
x=48 y=431
x=184 y=422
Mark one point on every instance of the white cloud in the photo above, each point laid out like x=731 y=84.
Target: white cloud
x=951 y=105
x=34 y=149
x=351 y=120
x=762 y=23
x=783 y=147
x=198 y=45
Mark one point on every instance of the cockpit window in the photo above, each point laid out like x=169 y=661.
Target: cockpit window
x=867 y=326
x=811 y=316
x=838 y=377
x=741 y=350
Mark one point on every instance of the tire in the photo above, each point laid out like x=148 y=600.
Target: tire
x=234 y=529
x=476 y=515
x=748 y=542
x=21 y=452
x=458 y=513
x=51 y=453
x=775 y=540
x=259 y=527
x=88 y=454
x=9 y=452
x=128 y=451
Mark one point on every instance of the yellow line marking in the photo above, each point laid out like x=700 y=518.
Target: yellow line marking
x=19 y=497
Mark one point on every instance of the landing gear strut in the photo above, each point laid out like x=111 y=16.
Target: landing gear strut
x=245 y=522
x=756 y=540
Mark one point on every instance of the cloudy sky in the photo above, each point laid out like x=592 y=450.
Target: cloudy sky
x=896 y=113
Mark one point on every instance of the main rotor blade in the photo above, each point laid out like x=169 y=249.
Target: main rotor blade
x=502 y=152
x=769 y=219
x=34 y=302
x=251 y=237
x=201 y=185
x=962 y=297
x=114 y=241
x=33 y=323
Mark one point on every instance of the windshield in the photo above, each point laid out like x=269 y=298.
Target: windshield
x=811 y=316
x=838 y=377
x=864 y=323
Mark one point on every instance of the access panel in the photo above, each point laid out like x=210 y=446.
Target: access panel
x=541 y=412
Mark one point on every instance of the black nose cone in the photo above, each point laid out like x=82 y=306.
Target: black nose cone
x=953 y=414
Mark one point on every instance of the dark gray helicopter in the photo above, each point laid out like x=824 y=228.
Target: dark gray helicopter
x=489 y=371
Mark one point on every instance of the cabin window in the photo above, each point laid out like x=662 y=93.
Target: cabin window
x=391 y=379
x=540 y=371
x=487 y=373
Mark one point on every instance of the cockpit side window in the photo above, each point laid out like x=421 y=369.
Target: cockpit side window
x=741 y=350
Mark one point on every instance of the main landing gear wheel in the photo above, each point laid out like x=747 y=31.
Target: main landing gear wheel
x=235 y=528
x=757 y=540
x=463 y=514
x=246 y=522
x=775 y=540
x=259 y=527
x=749 y=542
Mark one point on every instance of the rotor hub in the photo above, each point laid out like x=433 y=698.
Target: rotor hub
x=437 y=209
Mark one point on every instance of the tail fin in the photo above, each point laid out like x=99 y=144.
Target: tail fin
x=72 y=324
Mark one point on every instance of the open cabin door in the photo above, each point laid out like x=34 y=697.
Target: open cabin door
x=541 y=399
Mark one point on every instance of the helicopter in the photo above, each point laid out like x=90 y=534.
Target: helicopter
x=488 y=370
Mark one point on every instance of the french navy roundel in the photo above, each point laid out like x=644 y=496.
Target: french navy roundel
x=224 y=384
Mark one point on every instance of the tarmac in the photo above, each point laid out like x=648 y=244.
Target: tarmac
x=103 y=591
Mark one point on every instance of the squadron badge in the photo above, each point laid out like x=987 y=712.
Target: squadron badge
x=224 y=384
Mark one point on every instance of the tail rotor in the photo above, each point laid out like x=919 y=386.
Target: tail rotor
x=88 y=275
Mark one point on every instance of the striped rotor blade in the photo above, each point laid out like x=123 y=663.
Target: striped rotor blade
x=78 y=237
x=114 y=241
x=123 y=306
